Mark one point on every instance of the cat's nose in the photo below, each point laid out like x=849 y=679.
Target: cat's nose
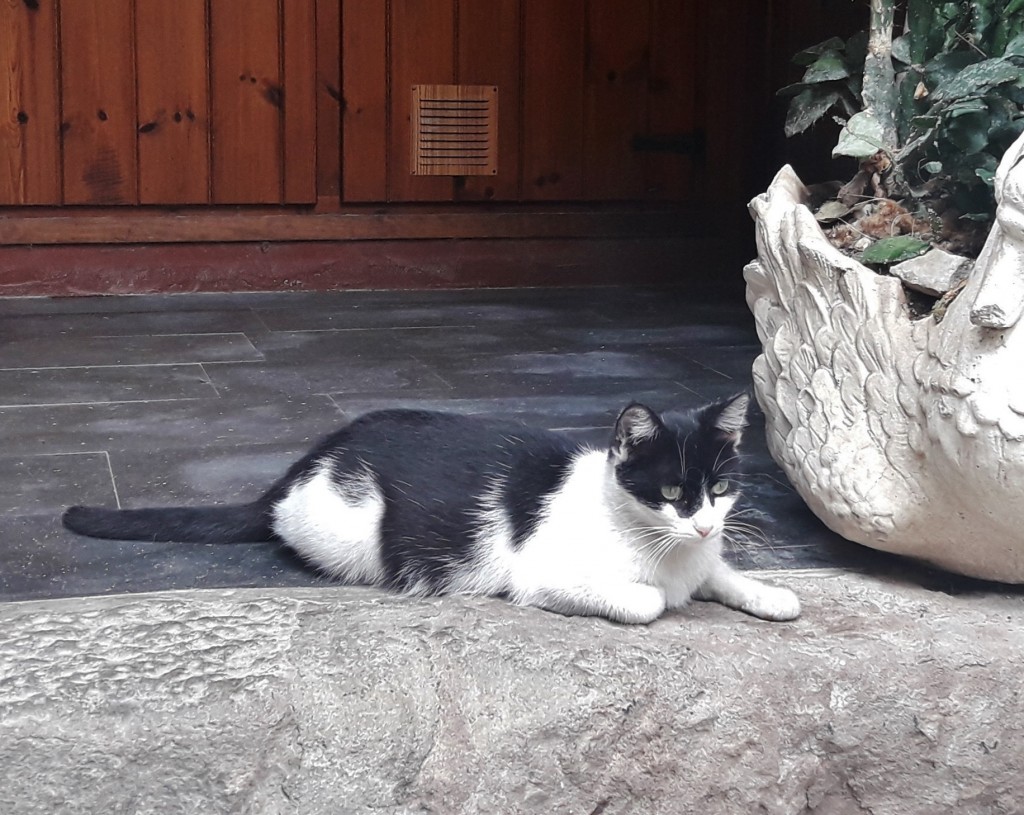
x=703 y=531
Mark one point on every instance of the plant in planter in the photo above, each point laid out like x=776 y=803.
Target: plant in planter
x=927 y=113
x=903 y=433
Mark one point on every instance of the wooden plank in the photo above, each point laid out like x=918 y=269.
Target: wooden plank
x=300 y=124
x=328 y=103
x=98 y=92
x=254 y=266
x=553 y=47
x=174 y=145
x=365 y=93
x=618 y=37
x=422 y=53
x=246 y=101
x=489 y=40
x=418 y=221
x=29 y=135
x=673 y=86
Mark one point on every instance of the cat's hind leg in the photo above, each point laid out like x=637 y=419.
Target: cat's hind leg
x=730 y=588
x=630 y=603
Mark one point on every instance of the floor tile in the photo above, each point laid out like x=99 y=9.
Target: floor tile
x=35 y=326
x=202 y=475
x=147 y=426
x=38 y=484
x=325 y=375
x=79 y=386
x=70 y=350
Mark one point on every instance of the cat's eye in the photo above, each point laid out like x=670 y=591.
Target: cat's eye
x=720 y=487
x=672 y=493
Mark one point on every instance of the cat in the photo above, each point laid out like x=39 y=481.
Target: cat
x=428 y=503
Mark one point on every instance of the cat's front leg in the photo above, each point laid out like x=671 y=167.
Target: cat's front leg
x=630 y=603
x=732 y=589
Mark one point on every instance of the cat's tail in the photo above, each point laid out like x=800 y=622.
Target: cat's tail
x=236 y=523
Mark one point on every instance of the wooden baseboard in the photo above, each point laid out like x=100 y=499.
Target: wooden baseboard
x=55 y=226
x=375 y=264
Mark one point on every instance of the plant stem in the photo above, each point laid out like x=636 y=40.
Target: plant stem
x=879 y=91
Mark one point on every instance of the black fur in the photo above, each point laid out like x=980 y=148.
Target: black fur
x=235 y=523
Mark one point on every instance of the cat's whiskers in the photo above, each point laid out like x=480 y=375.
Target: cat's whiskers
x=659 y=552
x=746 y=512
x=719 y=463
x=664 y=537
x=682 y=454
x=749 y=533
x=743 y=526
x=656 y=537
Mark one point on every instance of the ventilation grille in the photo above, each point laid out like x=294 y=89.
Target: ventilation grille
x=454 y=130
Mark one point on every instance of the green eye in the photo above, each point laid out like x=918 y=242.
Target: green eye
x=720 y=487
x=671 y=493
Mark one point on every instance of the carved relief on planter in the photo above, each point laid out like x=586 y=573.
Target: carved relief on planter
x=904 y=435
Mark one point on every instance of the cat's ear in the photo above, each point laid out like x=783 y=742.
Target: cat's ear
x=636 y=424
x=729 y=417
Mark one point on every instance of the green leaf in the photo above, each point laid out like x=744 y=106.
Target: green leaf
x=921 y=16
x=946 y=66
x=985 y=175
x=901 y=49
x=932 y=167
x=982 y=24
x=857 y=49
x=861 y=136
x=808 y=107
x=794 y=89
x=894 y=250
x=966 y=107
x=1015 y=47
x=827 y=67
x=976 y=79
x=809 y=55
x=1013 y=7
x=969 y=131
x=920 y=141
x=1007 y=131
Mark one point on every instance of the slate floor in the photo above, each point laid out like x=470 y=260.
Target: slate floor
x=159 y=400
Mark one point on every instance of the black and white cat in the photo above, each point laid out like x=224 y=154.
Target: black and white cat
x=435 y=503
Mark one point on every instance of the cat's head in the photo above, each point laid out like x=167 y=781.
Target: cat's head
x=681 y=470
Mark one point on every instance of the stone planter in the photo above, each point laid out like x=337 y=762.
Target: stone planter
x=904 y=435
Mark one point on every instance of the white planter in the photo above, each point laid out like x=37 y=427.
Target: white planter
x=903 y=435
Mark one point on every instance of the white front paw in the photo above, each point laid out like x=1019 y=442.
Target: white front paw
x=772 y=603
x=638 y=604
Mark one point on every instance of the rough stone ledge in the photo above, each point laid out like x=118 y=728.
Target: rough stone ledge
x=882 y=698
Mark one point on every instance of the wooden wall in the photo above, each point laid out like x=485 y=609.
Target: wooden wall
x=157 y=102
x=169 y=102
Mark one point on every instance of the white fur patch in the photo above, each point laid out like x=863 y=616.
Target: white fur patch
x=336 y=529
x=490 y=570
x=575 y=541
x=598 y=550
